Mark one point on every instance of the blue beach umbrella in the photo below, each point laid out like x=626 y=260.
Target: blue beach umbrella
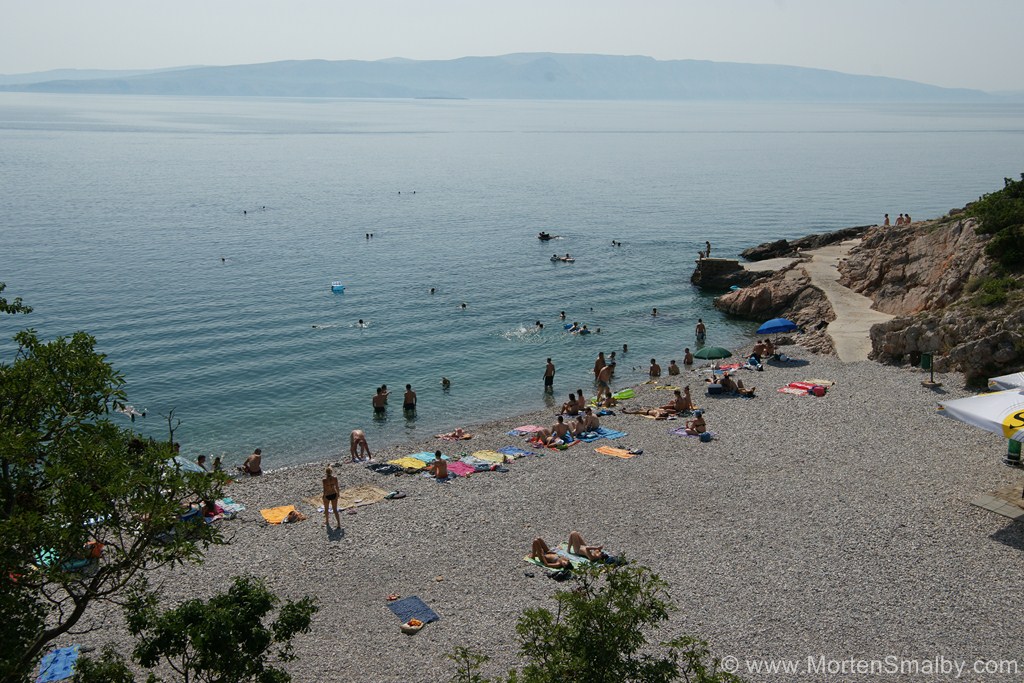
x=776 y=326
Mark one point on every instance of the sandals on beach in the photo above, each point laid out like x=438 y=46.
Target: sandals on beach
x=395 y=495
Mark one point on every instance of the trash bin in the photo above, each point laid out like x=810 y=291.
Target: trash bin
x=926 y=361
x=1013 y=451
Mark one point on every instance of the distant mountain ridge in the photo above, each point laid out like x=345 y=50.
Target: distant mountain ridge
x=541 y=76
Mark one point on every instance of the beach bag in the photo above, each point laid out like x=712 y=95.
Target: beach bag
x=818 y=390
x=705 y=436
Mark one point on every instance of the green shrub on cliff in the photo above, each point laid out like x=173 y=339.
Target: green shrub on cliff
x=1001 y=214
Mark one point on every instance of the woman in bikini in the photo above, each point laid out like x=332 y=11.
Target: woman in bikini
x=331 y=496
x=540 y=551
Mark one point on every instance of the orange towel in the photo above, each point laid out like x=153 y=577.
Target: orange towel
x=616 y=452
x=278 y=514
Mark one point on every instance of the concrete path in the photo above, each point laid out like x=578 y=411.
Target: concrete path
x=854 y=315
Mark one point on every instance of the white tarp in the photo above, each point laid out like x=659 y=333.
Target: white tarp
x=1014 y=381
x=1001 y=412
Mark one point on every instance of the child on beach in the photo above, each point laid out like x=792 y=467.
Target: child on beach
x=438 y=467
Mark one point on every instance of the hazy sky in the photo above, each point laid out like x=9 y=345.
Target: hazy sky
x=956 y=43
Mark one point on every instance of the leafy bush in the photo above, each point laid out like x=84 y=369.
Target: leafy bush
x=1001 y=214
x=993 y=291
x=597 y=635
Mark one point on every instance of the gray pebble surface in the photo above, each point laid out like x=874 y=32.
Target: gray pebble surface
x=838 y=526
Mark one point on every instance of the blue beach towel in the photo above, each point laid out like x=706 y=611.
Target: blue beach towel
x=58 y=665
x=610 y=433
x=426 y=457
x=413 y=608
x=514 y=452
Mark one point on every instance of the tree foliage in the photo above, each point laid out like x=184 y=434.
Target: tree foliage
x=1001 y=214
x=224 y=640
x=598 y=634
x=74 y=485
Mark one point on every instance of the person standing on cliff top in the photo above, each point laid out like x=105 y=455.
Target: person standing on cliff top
x=886 y=223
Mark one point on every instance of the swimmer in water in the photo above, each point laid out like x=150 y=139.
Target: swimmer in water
x=463 y=305
x=360 y=323
x=654 y=312
x=562 y=315
x=432 y=290
x=445 y=383
x=539 y=324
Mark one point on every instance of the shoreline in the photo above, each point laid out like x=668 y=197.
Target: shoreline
x=839 y=525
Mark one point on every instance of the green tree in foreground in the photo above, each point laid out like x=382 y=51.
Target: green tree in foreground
x=1001 y=214
x=597 y=635
x=224 y=640
x=85 y=506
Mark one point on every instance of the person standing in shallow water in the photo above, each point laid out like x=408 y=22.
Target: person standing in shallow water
x=549 y=377
x=702 y=331
x=409 y=401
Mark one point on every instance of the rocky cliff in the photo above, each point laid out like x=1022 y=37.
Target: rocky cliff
x=950 y=299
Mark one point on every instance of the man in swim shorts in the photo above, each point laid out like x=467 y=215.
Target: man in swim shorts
x=604 y=381
x=655 y=370
x=549 y=377
x=409 y=402
x=252 y=465
x=380 y=407
x=702 y=331
x=673 y=369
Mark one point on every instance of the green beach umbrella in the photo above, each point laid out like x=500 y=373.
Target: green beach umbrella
x=712 y=352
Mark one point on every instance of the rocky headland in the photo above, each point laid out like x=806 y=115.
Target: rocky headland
x=947 y=296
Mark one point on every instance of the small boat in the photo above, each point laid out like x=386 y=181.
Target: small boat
x=545 y=236
x=563 y=259
x=337 y=286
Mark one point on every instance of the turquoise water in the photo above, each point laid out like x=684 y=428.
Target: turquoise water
x=116 y=213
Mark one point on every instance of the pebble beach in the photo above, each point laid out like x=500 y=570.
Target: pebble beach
x=836 y=526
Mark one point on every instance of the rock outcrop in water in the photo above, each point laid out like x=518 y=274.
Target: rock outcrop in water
x=786 y=248
x=950 y=299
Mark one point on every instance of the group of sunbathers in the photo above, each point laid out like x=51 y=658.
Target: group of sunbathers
x=561 y=431
x=541 y=552
x=681 y=403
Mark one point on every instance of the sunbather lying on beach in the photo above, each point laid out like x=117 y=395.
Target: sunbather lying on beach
x=457 y=435
x=656 y=413
x=594 y=553
x=540 y=551
x=679 y=403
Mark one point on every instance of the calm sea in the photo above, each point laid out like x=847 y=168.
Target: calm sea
x=197 y=240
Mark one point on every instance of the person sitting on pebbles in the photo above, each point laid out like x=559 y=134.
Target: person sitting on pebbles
x=541 y=552
x=696 y=426
x=438 y=467
x=737 y=388
x=555 y=436
x=678 y=404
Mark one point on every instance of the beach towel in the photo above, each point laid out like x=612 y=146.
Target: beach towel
x=452 y=437
x=792 y=390
x=413 y=608
x=278 y=514
x=605 y=411
x=426 y=456
x=408 y=463
x=229 y=506
x=589 y=437
x=624 y=394
x=514 y=452
x=58 y=665
x=489 y=456
x=681 y=431
x=608 y=433
x=615 y=452
x=823 y=382
x=383 y=468
x=665 y=387
x=461 y=468
x=525 y=429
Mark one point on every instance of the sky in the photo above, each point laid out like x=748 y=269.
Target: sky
x=951 y=43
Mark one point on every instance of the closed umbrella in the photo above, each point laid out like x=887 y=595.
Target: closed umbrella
x=777 y=326
x=712 y=352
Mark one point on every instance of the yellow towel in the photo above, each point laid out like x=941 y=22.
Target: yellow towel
x=489 y=456
x=278 y=514
x=666 y=387
x=616 y=452
x=408 y=463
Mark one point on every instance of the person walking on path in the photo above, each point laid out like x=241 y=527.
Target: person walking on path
x=549 y=377
x=331 y=492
